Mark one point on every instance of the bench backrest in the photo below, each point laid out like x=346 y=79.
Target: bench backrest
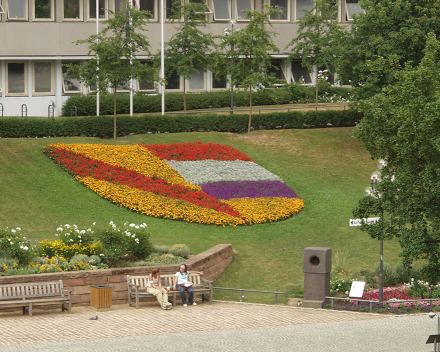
x=167 y=280
x=31 y=290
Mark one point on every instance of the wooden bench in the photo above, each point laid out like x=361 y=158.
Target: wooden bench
x=137 y=287
x=37 y=293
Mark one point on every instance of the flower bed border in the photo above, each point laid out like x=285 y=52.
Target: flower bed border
x=213 y=261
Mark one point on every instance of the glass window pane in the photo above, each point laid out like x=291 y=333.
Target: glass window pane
x=72 y=9
x=147 y=5
x=277 y=72
x=219 y=81
x=71 y=84
x=17 y=9
x=145 y=85
x=43 y=8
x=92 y=9
x=171 y=7
x=173 y=81
x=221 y=10
x=353 y=8
x=280 y=5
x=302 y=5
x=243 y=5
x=300 y=73
x=16 y=77
x=43 y=77
x=1 y=9
x=120 y=5
x=197 y=80
x=124 y=86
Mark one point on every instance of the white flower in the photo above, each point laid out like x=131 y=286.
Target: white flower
x=9 y=239
x=71 y=240
x=67 y=226
x=94 y=223
x=13 y=231
x=79 y=236
x=111 y=222
x=136 y=226
x=11 y=243
x=59 y=229
x=132 y=225
x=25 y=248
x=136 y=240
x=101 y=255
x=18 y=228
x=82 y=232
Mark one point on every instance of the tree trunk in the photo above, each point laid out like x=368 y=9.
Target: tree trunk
x=250 y=108
x=184 y=95
x=316 y=84
x=114 y=113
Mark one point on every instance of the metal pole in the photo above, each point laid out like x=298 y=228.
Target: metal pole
x=131 y=62
x=381 y=275
x=97 y=40
x=162 y=55
x=232 y=63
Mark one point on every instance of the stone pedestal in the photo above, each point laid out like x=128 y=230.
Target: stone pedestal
x=317 y=268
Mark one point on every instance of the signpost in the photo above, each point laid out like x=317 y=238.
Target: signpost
x=368 y=221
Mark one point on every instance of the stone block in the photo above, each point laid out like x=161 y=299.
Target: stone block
x=80 y=290
x=114 y=279
x=76 y=282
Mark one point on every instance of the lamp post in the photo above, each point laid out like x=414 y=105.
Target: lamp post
x=227 y=33
x=373 y=192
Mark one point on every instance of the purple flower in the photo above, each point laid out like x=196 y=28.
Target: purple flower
x=250 y=189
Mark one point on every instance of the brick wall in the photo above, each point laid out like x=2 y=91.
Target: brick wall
x=212 y=262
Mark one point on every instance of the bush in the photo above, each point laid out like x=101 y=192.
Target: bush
x=180 y=250
x=390 y=277
x=95 y=260
x=103 y=126
x=161 y=249
x=58 y=248
x=14 y=245
x=128 y=243
x=72 y=235
x=7 y=263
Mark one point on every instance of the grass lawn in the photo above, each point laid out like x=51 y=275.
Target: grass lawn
x=326 y=167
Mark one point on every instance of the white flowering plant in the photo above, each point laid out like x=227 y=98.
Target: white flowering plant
x=129 y=242
x=71 y=234
x=14 y=245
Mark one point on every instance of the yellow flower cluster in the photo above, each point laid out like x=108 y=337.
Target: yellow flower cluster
x=59 y=249
x=132 y=157
x=158 y=206
x=261 y=210
x=49 y=268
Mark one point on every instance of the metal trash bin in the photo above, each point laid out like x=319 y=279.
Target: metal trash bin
x=101 y=296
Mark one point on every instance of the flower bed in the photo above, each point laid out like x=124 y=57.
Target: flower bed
x=193 y=182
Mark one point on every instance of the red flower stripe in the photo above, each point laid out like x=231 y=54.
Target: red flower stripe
x=196 y=151
x=79 y=165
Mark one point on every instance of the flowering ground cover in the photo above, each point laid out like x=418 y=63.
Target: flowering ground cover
x=193 y=182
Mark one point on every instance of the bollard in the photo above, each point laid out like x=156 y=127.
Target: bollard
x=317 y=267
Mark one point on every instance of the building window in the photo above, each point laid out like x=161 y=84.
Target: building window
x=44 y=10
x=171 y=8
x=206 y=9
x=72 y=9
x=16 y=78
x=283 y=7
x=1 y=9
x=277 y=70
x=333 y=5
x=197 y=81
x=352 y=7
x=173 y=81
x=43 y=78
x=124 y=87
x=150 y=6
x=71 y=85
x=102 y=13
x=300 y=74
x=18 y=10
x=219 y=81
x=301 y=7
x=222 y=10
x=241 y=6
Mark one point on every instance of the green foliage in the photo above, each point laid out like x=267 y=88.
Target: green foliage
x=387 y=36
x=180 y=250
x=401 y=125
x=319 y=37
x=7 y=263
x=103 y=126
x=14 y=245
x=156 y=259
x=339 y=284
x=161 y=249
x=73 y=235
x=94 y=259
x=131 y=242
x=390 y=277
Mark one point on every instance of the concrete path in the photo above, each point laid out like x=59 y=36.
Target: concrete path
x=217 y=327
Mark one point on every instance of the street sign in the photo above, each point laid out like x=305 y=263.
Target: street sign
x=368 y=221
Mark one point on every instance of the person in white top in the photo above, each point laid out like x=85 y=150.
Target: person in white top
x=155 y=288
x=182 y=284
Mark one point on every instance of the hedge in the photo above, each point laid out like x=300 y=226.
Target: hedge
x=143 y=103
x=103 y=126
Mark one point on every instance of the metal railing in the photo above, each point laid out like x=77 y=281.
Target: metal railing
x=24 y=110
x=243 y=290
x=376 y=303
x=316 y=107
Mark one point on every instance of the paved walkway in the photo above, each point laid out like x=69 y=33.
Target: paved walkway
x=216 y=327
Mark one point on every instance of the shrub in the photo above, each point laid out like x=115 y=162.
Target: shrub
x=180 y=250
x=7 y=263
x=72 y=235
x=161 y=249
x=95 y=260
x=49 y=268
x=132 y=242
x=67 y=251
x=79 y=258
x=14 y=245
x=390 y=276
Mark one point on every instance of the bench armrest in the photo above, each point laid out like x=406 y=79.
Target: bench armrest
x=206 y=282
x=69 y=293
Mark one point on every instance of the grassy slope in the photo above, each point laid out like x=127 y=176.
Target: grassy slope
x=326 y=167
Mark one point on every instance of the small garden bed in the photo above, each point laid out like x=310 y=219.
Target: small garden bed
x=84 y=249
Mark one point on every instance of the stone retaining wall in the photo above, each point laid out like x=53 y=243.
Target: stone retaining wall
x=212 y=262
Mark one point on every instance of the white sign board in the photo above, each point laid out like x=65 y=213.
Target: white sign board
x=368 y=221
x=357 y=289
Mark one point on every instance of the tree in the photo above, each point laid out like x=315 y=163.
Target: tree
x=249 y=49
x=113 y=48
x=401 y=124
x=319 y=37
x=389 y=34
x=188 y=51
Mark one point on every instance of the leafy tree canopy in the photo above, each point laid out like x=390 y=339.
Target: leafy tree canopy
x=388 y=35
x=401 y=124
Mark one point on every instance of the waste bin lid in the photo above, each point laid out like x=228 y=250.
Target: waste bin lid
x=100 y=286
